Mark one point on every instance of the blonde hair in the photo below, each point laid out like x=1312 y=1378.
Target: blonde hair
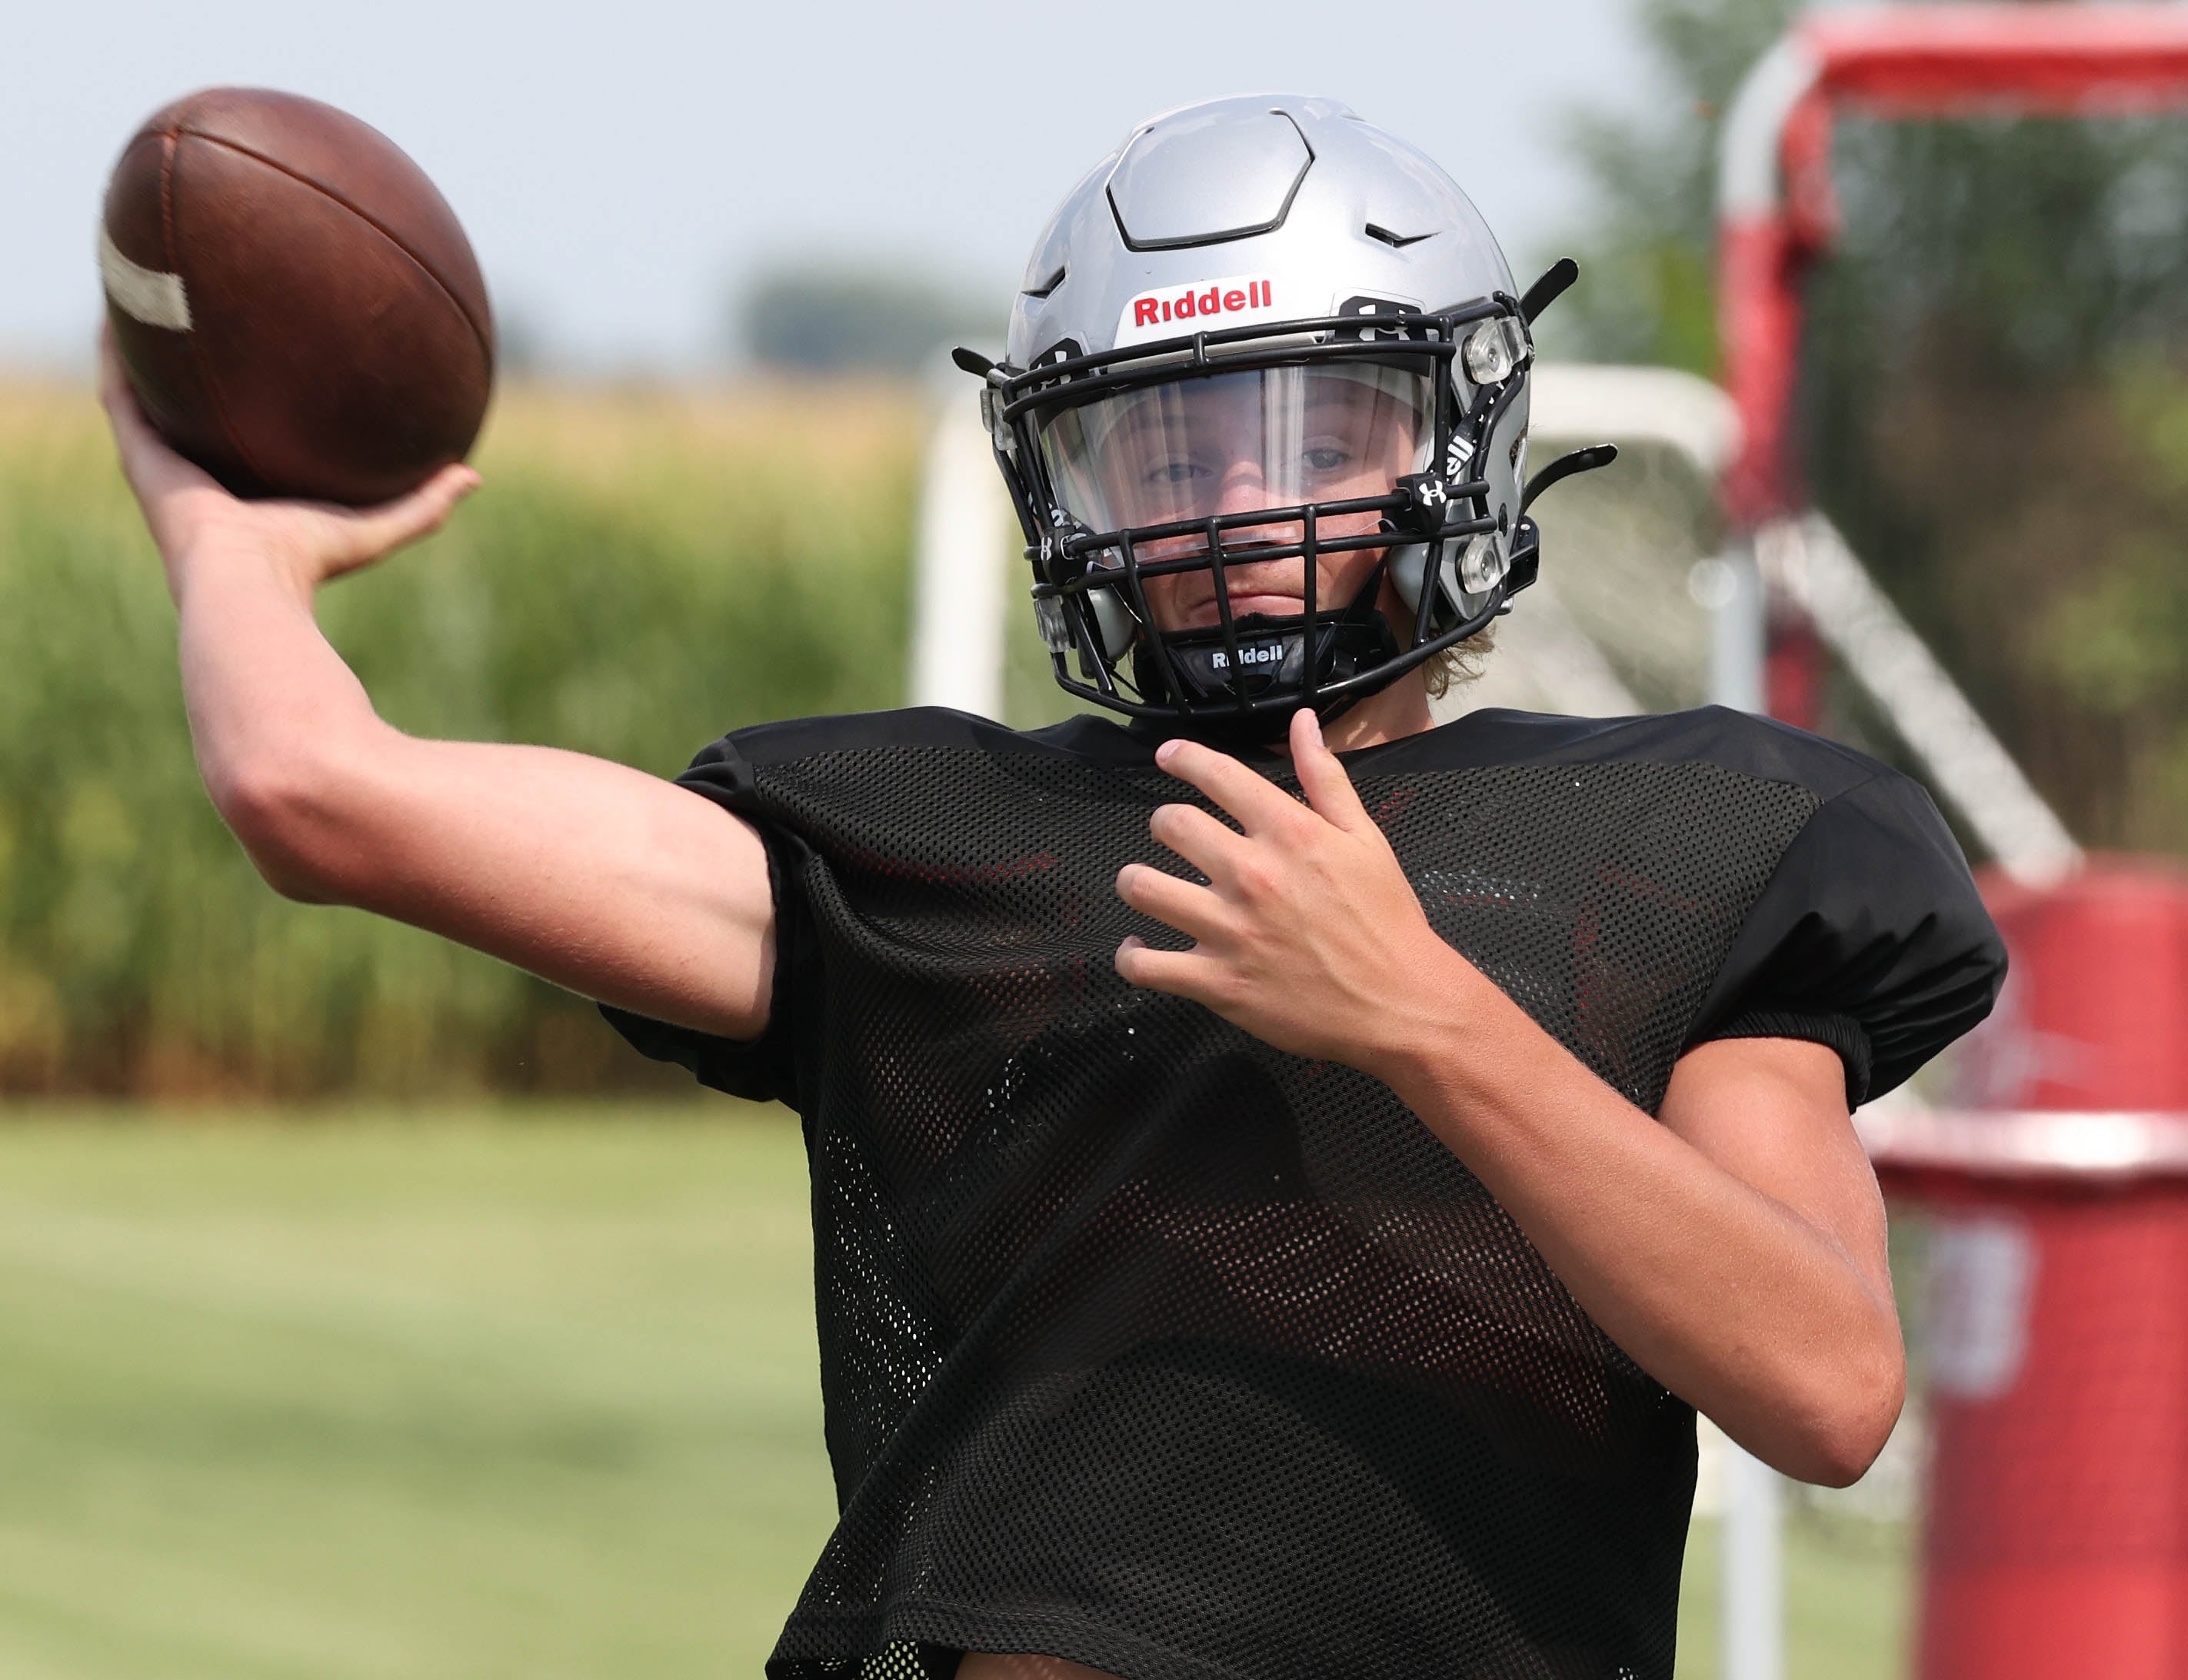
x=1455 y=667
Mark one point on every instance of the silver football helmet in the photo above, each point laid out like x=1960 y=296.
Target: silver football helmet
x=1259 y=342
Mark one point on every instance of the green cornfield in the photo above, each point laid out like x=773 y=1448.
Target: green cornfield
x=642 y=571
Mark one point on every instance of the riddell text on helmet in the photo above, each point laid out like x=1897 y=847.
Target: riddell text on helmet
x=1168 y=311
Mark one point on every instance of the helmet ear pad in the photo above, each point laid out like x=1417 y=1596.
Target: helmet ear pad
x=1453 y=605
x=1505 y=461
x=1502 y=466
x=1113 y=621
x=1409 y=566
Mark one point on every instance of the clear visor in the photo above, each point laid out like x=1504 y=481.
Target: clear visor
x=1240 y=442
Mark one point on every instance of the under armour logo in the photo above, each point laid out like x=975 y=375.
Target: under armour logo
x=1429 y=507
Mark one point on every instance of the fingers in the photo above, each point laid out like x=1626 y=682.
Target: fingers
x=117 y=396
x=1198 y=837
x=1322 y=776
x=1258 y=803
x=154 y=469
x=114 y=391
x=1179 y=973
x=370 y=533
x=1198 y=912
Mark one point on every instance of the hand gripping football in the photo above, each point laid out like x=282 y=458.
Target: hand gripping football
x=297 y=306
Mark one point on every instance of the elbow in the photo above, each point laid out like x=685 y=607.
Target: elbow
x=281 y=810
x=1848 y=1420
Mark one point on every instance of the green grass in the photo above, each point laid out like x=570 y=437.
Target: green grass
x=1848 y=1581
x=524 y=1393
x=393 y=1400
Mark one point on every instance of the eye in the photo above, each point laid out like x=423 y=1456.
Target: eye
x=1326 y=459
x=1176 y=472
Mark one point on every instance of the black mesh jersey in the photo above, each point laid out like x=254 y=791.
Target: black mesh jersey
x=1147 y=1345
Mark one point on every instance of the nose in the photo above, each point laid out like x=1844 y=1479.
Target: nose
x=1244 y=490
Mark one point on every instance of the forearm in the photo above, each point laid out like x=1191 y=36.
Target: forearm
x=1724 y=1294
x=268 y=699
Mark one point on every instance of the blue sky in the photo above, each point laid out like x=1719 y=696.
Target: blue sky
x=620 y=166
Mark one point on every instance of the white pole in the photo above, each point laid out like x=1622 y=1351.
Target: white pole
x=1730 y=587
x=958 y=578
x=1753 y=1624
x=1810 y=561
x=1754 y=134
x=1752 y=1617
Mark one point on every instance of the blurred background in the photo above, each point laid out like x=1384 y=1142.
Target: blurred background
x=370 y=1309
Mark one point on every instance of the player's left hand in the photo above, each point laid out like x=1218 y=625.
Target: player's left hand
x=1307 y=933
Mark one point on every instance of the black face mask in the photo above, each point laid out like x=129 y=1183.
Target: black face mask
x=1463 y=542
x=1235 y=679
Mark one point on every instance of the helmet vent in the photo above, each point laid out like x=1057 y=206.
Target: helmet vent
x=1207 y=174
x=1047 y=286
x=1395 y=241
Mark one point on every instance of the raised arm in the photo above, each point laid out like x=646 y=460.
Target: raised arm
x=603 y=879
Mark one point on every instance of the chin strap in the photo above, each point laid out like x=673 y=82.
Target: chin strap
x=1262 y=657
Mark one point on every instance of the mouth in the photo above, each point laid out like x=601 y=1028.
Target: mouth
x=1274 y=594
x=1245 y=605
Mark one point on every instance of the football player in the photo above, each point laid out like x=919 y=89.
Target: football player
x=1285 y=1176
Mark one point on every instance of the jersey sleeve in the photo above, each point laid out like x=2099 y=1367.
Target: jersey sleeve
x=1869 y=937
x=762 y=1070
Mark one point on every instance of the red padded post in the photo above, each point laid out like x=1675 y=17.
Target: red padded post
x=2056 y=1540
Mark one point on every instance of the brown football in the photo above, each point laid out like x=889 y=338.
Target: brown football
x=297 y=306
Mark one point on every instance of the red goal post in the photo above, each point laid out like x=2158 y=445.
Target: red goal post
x=1776 y=206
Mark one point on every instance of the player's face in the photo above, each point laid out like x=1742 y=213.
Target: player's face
x=1240 y=443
